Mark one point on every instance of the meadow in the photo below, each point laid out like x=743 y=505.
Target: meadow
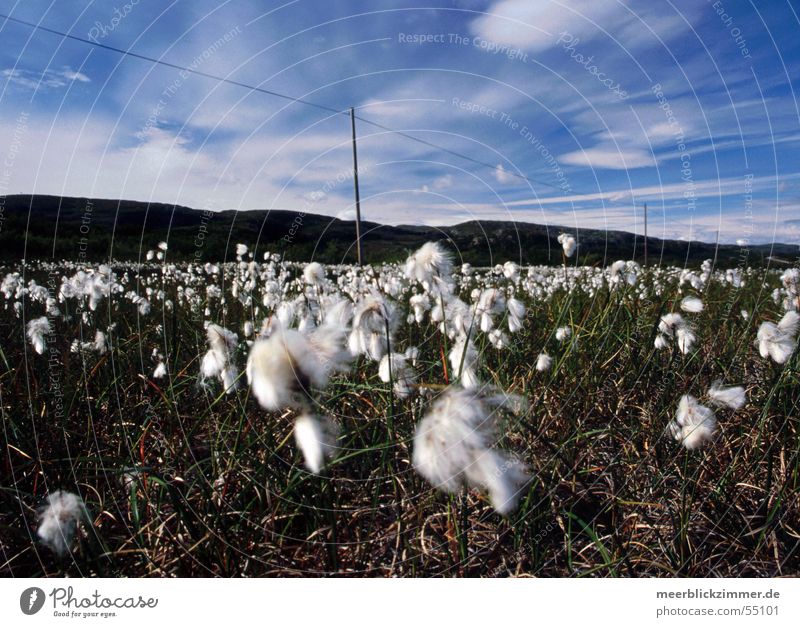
x=270 y=418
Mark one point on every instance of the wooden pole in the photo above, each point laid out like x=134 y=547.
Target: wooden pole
x=716 y=251
x=355 y=186
x=645 y=233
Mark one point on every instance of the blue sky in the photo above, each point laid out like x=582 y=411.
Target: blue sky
x=689 y=106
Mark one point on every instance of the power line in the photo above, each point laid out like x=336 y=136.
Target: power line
x=174 y=66
x=276 y=94
x=458 y=154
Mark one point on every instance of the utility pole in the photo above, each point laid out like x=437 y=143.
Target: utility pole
x=645 y=233
x=355 y=186
x=716 y=251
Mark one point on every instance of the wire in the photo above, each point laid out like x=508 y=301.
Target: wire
x=174 y=66
x=276 y=94
x=458 y=154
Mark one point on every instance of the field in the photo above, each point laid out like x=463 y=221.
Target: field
x=114 y=389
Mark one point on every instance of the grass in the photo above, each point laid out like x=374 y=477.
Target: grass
x=184 y=480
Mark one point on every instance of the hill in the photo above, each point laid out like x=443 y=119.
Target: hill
x=53 y=227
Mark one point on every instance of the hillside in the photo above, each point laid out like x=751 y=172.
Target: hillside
x=37 y=227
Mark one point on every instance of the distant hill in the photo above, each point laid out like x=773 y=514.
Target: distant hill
x=52 y=227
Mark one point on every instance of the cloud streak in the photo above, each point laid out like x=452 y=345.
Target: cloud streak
x=104 y=130
x=30 y=80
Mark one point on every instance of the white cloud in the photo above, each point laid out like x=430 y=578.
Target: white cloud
x=67 y=159
x=399 y=105
x=443 y=182
x=536 y=25
x=666 y=224
x=76 y=76
x=661 y=131
x=502 y=176
x=170 y=168
x=731 y=186
x=49 y=79
x=347 y=214
x=314 y=196
x=611 y=158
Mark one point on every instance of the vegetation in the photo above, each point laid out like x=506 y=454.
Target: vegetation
x=180 y=478
x=79 y=229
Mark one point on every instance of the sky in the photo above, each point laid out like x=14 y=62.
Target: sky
x=572 y=113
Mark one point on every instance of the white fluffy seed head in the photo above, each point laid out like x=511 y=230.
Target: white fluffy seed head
x=516 y=311
x=767 y=331
x=788 y=324
x=732 y=397
x=316 y=438
x=568 y=244
x=510 y=270
x=100 y=342
x=686 y=339
x=338 y=313
x=543 y=362
x=38 y=328
x=400 y=372
x=219 y=360
x=327 y=342
x=616 y=268
x=670 y=323
x=692 y=304
x=372 y=317
x=454 y=445
x=515 y=307
x=431 y=265
x=314 y=273
x=778 y=341
x=283 y=369
x=160 y=371
x=59 y=520
x=463 y=359
x=211 y=365
x=694 y=424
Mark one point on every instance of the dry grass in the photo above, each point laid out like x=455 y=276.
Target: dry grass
x=217 y=486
